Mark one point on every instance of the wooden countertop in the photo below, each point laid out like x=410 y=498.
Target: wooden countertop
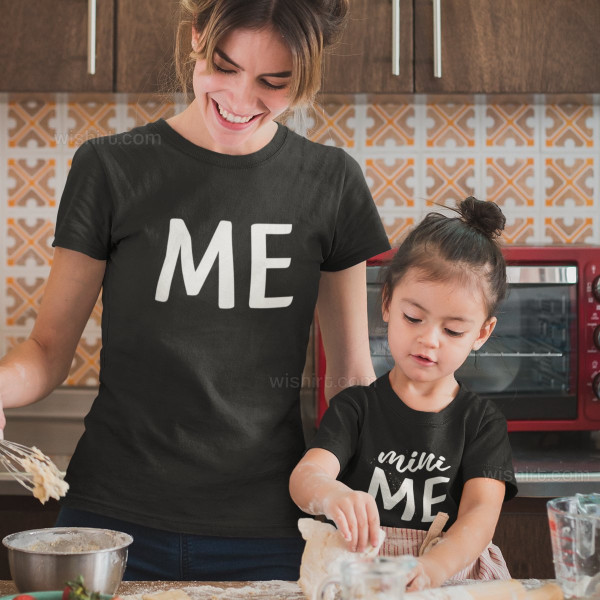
x=257 y=590
x=289 y=590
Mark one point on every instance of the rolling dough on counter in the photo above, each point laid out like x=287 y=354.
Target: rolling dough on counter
x=324 y=553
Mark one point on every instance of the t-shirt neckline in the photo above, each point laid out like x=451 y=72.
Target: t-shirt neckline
x=434 y=418
x=240 y=161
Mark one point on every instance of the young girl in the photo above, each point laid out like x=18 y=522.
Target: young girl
x=213 y=236
x=416 y=447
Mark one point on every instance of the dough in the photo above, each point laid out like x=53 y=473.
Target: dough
x=175 y=594
x=324 y=552
x=46 y=478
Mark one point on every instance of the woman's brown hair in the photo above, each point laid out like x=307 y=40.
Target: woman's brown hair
x=307 y=26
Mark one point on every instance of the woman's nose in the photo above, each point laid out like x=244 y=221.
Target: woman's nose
x=244 y=97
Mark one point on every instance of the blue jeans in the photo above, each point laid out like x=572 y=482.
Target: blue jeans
x=158 y=555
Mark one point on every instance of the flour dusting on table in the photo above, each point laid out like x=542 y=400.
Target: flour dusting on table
x=281 y=590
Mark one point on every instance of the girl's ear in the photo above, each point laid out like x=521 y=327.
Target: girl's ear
x=385 y=305
x=385 y=312
x=484 y=333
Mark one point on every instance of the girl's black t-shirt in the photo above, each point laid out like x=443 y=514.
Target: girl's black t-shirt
x=212 y=273
x=414 y=463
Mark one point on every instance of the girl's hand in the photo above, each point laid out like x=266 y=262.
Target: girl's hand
x=2 y=420
x=316 y=491
x=355 y=515
x=426 y=574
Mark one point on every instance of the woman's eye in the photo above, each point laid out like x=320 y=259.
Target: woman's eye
x=452 y=333
x=411 y=319
x=221 y=69
x=271 y=86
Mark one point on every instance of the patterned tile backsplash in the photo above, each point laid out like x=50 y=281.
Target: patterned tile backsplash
x=538 y=157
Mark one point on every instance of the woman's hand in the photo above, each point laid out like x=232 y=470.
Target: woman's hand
x=32 y=369
x=316 y=491
x=355 y=515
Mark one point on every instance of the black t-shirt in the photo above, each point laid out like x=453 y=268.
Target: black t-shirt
x=414 y=463
x=212 y=273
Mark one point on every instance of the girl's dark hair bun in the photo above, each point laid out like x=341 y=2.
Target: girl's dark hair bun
x=484 y=216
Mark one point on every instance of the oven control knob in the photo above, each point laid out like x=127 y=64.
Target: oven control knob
x=596 y=288
x=596 y=386
x=596 y=337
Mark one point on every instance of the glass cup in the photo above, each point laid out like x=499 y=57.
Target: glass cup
x=575 y=534
x=380 y=578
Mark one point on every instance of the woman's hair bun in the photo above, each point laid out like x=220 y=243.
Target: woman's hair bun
x=484 y=216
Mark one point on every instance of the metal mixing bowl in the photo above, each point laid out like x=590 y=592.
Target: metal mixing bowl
x=44 y=559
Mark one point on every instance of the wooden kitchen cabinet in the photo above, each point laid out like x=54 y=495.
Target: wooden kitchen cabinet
x=362 y=60
x=510 y=46
x=523 y=536
x=145 y=45
x=19 y=513
x=43 y=46
x=487 y=46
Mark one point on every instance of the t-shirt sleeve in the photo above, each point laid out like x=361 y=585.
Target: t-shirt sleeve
x=84 y=214
x=489 y=454
x=359 y=233
x=340 y=426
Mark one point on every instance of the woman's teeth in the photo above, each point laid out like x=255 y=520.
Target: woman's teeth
x=233 y=118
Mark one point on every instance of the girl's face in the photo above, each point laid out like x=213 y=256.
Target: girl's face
x=432 y=327
x=247 y=90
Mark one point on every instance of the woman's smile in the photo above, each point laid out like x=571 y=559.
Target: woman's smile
x=230 y=119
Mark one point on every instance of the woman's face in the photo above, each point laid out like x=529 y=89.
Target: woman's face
x=247 y=90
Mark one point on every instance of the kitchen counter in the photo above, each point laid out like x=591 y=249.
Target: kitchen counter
x=547 y=464
x=234 y=590
x=556 y=463
x=257 y=590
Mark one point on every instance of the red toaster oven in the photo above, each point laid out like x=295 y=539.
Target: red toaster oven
x=542 y=364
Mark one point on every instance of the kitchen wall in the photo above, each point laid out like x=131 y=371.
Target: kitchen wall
x=538 y=157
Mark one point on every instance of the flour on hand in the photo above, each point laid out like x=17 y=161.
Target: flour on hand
x=324 y=553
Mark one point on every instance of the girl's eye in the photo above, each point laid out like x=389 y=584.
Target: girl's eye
x=454 y=333
x=411 y=319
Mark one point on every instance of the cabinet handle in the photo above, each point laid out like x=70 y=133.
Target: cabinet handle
x=91 y=49
x=437 y=38
x=396 y=37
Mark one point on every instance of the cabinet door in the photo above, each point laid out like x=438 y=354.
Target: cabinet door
x=145 y=45
x=488 y=46
x=44 y=46
x=362 y=60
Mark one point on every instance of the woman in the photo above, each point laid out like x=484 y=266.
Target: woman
x=213 y=236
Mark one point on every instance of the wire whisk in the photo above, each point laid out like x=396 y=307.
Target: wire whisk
x=33 y=470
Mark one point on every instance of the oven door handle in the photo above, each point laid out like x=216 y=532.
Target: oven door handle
x=541 y=275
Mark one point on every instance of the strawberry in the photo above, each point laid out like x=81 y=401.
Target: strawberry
x=23 y=597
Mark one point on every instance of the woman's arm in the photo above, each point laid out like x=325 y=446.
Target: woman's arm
x=342 y=312
x=316 y=491
x=472 y=531
x=34 y=368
